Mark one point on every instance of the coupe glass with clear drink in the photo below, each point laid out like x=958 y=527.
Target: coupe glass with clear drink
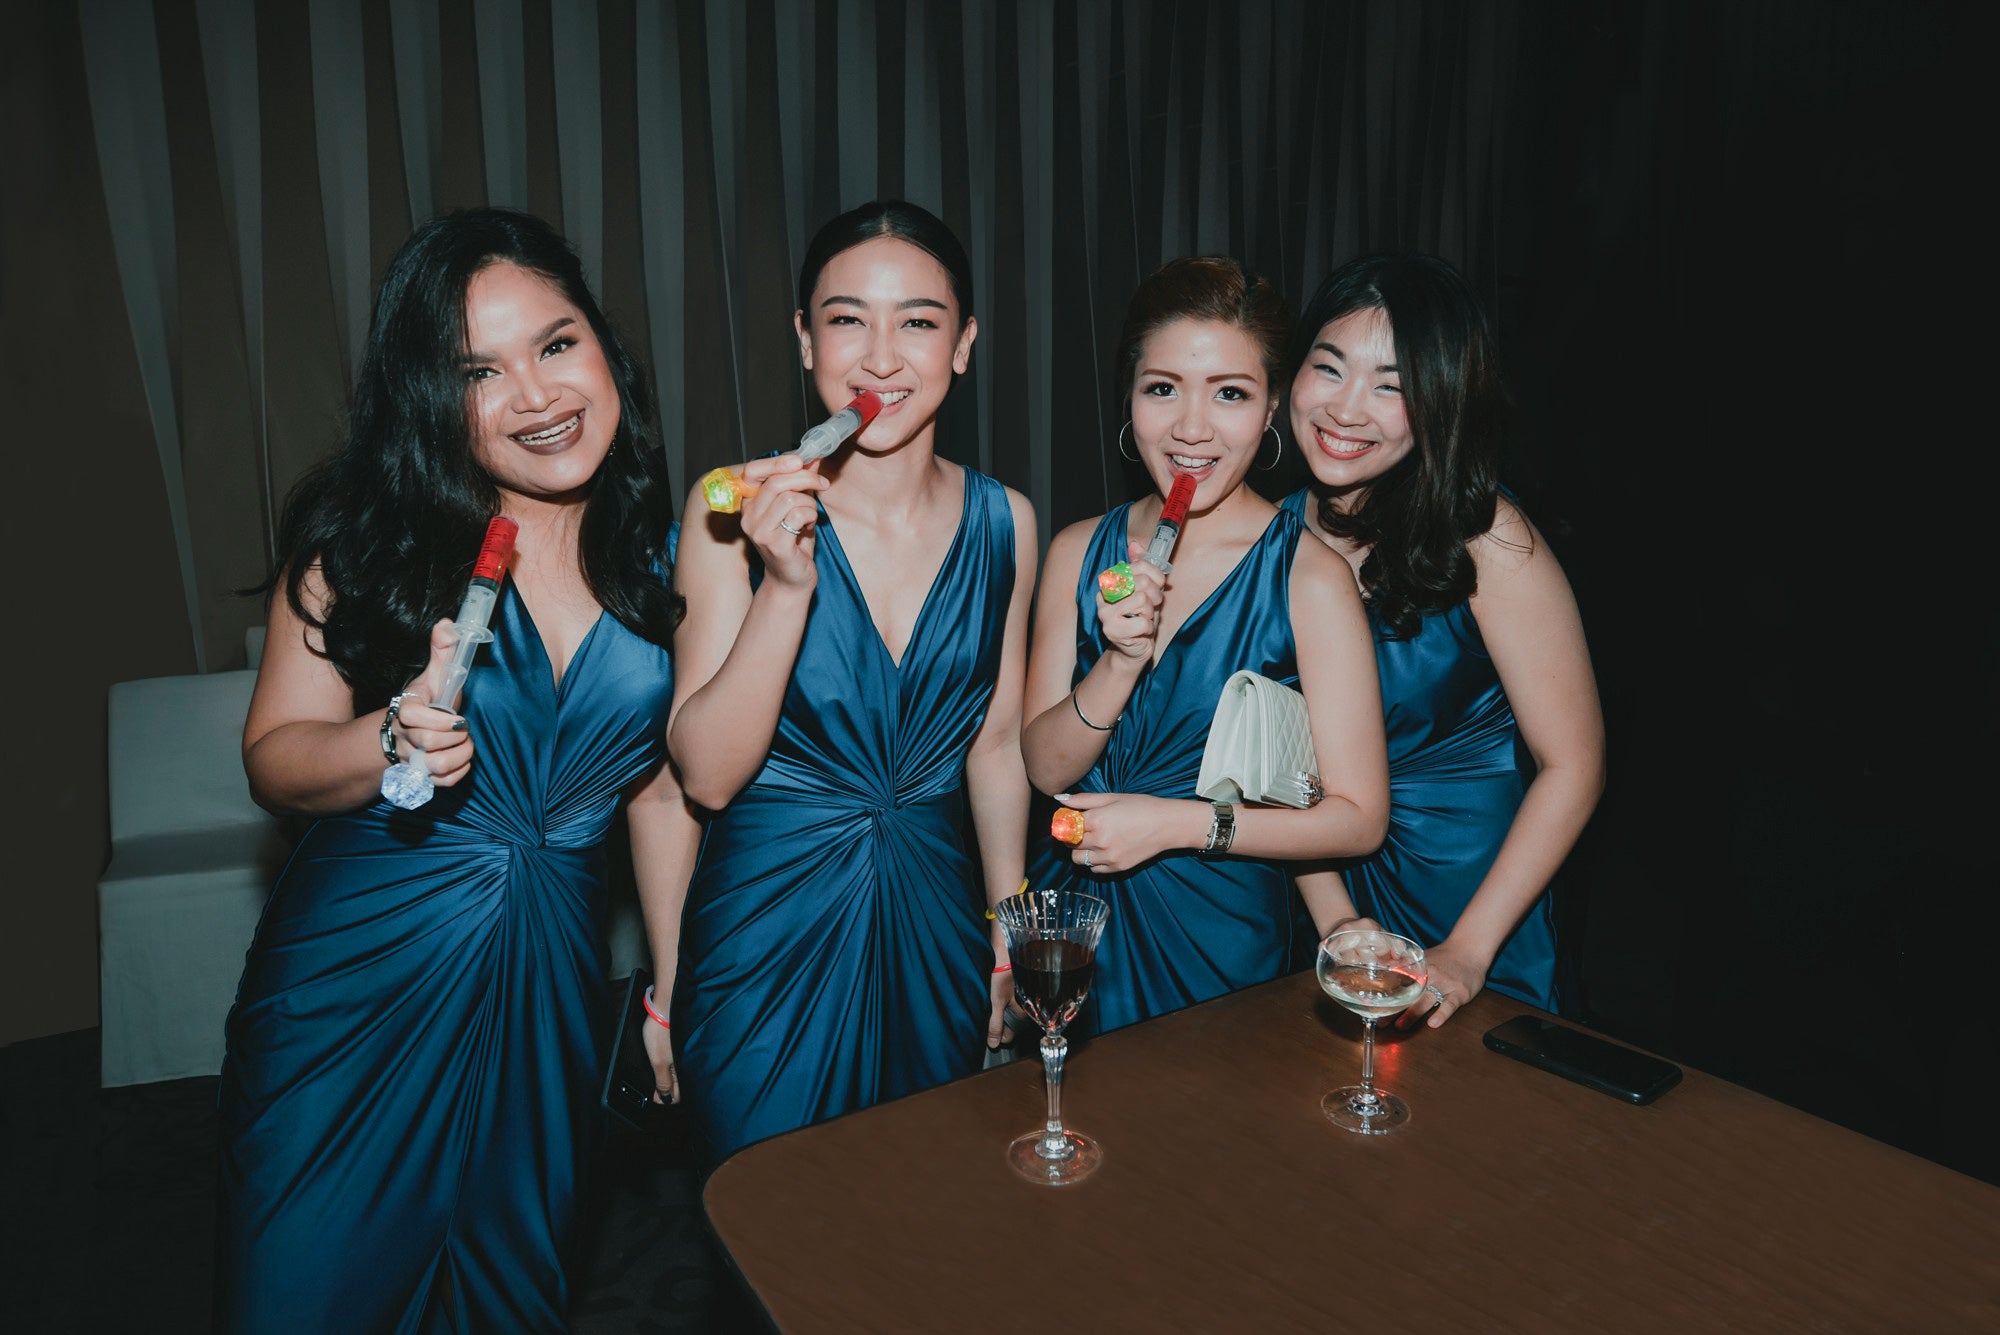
x=1372 y=974
x=1052 y=940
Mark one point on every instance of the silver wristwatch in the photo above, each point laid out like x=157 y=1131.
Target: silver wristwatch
x=1221 y=828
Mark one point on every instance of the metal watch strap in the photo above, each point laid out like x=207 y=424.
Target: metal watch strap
x=388 y=726
x=1221 y=828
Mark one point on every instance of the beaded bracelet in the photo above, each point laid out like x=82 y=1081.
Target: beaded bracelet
x=655 y=1014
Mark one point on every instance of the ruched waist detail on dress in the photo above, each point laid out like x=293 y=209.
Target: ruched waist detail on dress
x=787 y=786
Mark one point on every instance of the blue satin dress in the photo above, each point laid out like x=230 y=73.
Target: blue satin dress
x=1457 y=773
x=413 y=1058
x=834 y=948
x=1183 y=927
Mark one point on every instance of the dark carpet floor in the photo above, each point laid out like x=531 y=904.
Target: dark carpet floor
x=107 y=1212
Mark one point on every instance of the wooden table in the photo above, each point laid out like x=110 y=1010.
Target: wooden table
x=1514 y=1200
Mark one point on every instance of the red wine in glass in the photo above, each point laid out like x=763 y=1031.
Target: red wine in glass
x=1051 y=979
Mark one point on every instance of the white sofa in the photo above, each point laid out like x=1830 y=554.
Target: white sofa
x=192 y=861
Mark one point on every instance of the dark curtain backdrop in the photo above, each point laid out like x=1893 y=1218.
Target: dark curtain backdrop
x=1730 y=247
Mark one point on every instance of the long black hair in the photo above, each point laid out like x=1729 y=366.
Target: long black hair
x=395 y=518
x=1417 y=518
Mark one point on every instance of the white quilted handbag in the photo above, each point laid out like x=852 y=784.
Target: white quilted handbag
x=1260 y=746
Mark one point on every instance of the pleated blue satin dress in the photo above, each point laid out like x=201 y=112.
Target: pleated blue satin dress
x=1183 y=927
x=414 y=1054
x=1457 y=774
x=834 y=948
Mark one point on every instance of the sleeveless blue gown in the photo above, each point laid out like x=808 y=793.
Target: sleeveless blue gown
x=834 y=948
x=413 y=1060
x=1183 y=928
x=1457 y=773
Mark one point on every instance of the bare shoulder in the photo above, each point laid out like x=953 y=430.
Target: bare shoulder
x=1511 y=546
x=708 y=539
x=1321 y=576
x=1024 y=514
x=1067 y=548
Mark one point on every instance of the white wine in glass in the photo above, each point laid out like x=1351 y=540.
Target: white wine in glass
x=1373 y=974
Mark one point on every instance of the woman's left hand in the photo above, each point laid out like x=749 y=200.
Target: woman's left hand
x=1457 y=977
x=1001 y=989
x=1123 y=830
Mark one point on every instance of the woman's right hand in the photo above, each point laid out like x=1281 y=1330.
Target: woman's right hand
x=660 y=1051
x=1133 y=622
x=780 y=519
x=431 y=736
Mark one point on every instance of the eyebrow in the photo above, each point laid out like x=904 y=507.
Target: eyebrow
x=1211 y=380
x=914 y=303
x=1389 y=367
x=547 y=333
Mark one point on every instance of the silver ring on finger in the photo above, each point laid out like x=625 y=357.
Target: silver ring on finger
x=786 y=524
x=1086 y=859
x=1435 y=991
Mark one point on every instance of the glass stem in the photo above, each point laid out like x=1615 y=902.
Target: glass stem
x=1367 y=1098
x=1054 y=1049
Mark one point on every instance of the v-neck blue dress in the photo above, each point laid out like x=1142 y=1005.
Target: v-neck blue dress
x=1457 y=774
x=1183 y=927
x=413 y=1059
x=834 y=950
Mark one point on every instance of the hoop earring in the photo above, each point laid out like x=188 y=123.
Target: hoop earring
x=1281 y=448
x=1134 y=456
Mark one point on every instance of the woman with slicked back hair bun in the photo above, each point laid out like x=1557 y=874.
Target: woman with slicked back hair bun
x=852 y=663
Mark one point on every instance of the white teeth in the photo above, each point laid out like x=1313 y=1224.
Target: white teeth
x=889 y=396
x=1339 y=446
x=1189 y=462
x=554 y=433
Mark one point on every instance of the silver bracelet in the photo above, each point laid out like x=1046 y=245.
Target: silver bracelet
x=388 y=725
x=1078 y=707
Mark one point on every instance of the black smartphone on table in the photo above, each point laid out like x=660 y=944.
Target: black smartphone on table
x=628 y=1075
x=1576 y=1054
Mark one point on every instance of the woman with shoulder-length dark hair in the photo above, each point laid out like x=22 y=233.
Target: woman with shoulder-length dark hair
x=1121 y=693
x=1398 y=407
x=412 y=1057
x=851 y=663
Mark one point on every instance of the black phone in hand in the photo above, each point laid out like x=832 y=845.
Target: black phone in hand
x=1576 y=1054
x=628 y=1075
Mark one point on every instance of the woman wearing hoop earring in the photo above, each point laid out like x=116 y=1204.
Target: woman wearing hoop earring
x=1398 y=408
x=1121 y=693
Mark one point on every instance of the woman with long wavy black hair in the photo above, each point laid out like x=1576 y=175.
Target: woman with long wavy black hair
x=1398 y=408
x=412 y=1059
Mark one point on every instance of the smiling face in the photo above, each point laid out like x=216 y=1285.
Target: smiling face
x=882 y=317
x=1200 y=403
x=544 y=404
x=1348 y=413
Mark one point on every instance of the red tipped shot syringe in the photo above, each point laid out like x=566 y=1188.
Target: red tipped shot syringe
x=408 y=784
x=1116 y=583
x=725 y=490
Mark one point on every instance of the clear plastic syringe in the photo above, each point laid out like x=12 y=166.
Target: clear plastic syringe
x=408 y=784
x=725 y=490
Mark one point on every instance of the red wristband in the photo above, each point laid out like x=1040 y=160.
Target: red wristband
x=1002 y=968
x=655 y=1014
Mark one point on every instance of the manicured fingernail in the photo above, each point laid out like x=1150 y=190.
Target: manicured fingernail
x=458 y=726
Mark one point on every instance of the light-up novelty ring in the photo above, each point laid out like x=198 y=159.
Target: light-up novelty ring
x=724 y=490
x=1067 y=825
x=1117 y=582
